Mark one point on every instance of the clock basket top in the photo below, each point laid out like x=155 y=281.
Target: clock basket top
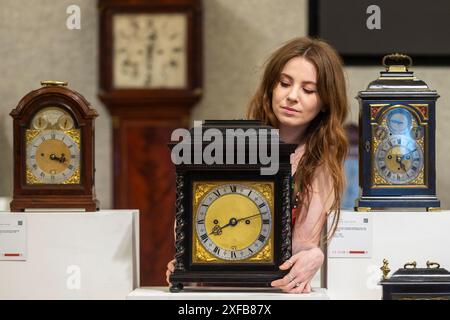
x=397 y=81
x=243 y=134
x=53 y=93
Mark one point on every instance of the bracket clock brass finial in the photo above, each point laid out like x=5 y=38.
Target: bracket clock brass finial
x=54 y=83
x=385 y=269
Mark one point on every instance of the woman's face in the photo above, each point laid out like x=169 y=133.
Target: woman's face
x=295 y=100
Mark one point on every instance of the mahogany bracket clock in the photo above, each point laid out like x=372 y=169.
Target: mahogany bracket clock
x=54 y=150
x=233 y=224
x=397 y=146
x=150 y=78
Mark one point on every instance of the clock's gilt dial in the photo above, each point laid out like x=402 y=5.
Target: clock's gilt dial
x=398 y=149
x=52 y=148
x=399 y=159
x=233 y=222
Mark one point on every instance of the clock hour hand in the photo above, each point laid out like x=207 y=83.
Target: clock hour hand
x=218 y=230
x=399 y=159
x=233 y=221
x=61 y=159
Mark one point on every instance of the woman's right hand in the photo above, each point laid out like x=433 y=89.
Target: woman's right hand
x=170 y=269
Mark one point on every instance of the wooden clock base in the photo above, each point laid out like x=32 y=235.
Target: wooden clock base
x=232 y=278
x=371 y=203
x=55 y=202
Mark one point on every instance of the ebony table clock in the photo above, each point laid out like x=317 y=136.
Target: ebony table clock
x=233 y=224
x=54 y=150
x=413 y=283
x=397 y=122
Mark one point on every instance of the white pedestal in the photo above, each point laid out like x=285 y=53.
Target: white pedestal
x=399 y=237
x=205 y=293
x=75 y=255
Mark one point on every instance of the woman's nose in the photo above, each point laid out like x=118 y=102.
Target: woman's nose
x=293 y=95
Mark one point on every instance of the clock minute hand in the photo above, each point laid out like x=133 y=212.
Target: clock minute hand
x=252 y=216
x=403 y=156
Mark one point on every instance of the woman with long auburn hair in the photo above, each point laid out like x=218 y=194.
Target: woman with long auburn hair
x=303 y=94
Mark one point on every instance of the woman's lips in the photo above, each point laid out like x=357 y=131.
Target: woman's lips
x=289 y=110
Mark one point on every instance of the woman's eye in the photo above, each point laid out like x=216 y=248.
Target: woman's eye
x=308 y=91
x=284 y=84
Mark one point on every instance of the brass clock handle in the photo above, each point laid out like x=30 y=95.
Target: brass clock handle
x=410 y=265
x=48 y=83
x=432 y=265
x=397 y=62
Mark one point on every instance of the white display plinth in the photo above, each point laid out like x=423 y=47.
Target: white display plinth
x=399 y=237
x=75 y=255
x=210 y=293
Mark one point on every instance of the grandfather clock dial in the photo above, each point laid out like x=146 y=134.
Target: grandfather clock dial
x=233 y=222
x=150 y=50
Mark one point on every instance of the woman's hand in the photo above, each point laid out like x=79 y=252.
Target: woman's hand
x=170 y=269
x=303 y=265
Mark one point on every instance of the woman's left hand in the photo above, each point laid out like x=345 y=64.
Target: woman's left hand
x=303 y=266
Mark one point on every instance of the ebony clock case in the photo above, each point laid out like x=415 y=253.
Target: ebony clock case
x=394 y=88
x=232 y=273
x=49 y=196
x=417 y=284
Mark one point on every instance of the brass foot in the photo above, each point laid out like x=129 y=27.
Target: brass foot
x=363 y=209
x=433 y=209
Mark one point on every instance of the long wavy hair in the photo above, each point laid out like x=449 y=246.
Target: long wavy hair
x=325 y=138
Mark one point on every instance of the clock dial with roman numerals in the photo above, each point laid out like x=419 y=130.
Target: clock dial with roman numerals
x=399 y=159
x=53 y=157
x=53 y=148
x=233 y=222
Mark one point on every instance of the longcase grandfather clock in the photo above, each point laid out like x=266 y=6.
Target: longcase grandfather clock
x=150 y=77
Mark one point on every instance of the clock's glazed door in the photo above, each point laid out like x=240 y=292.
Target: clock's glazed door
x=53 y=147
x=399 y=140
